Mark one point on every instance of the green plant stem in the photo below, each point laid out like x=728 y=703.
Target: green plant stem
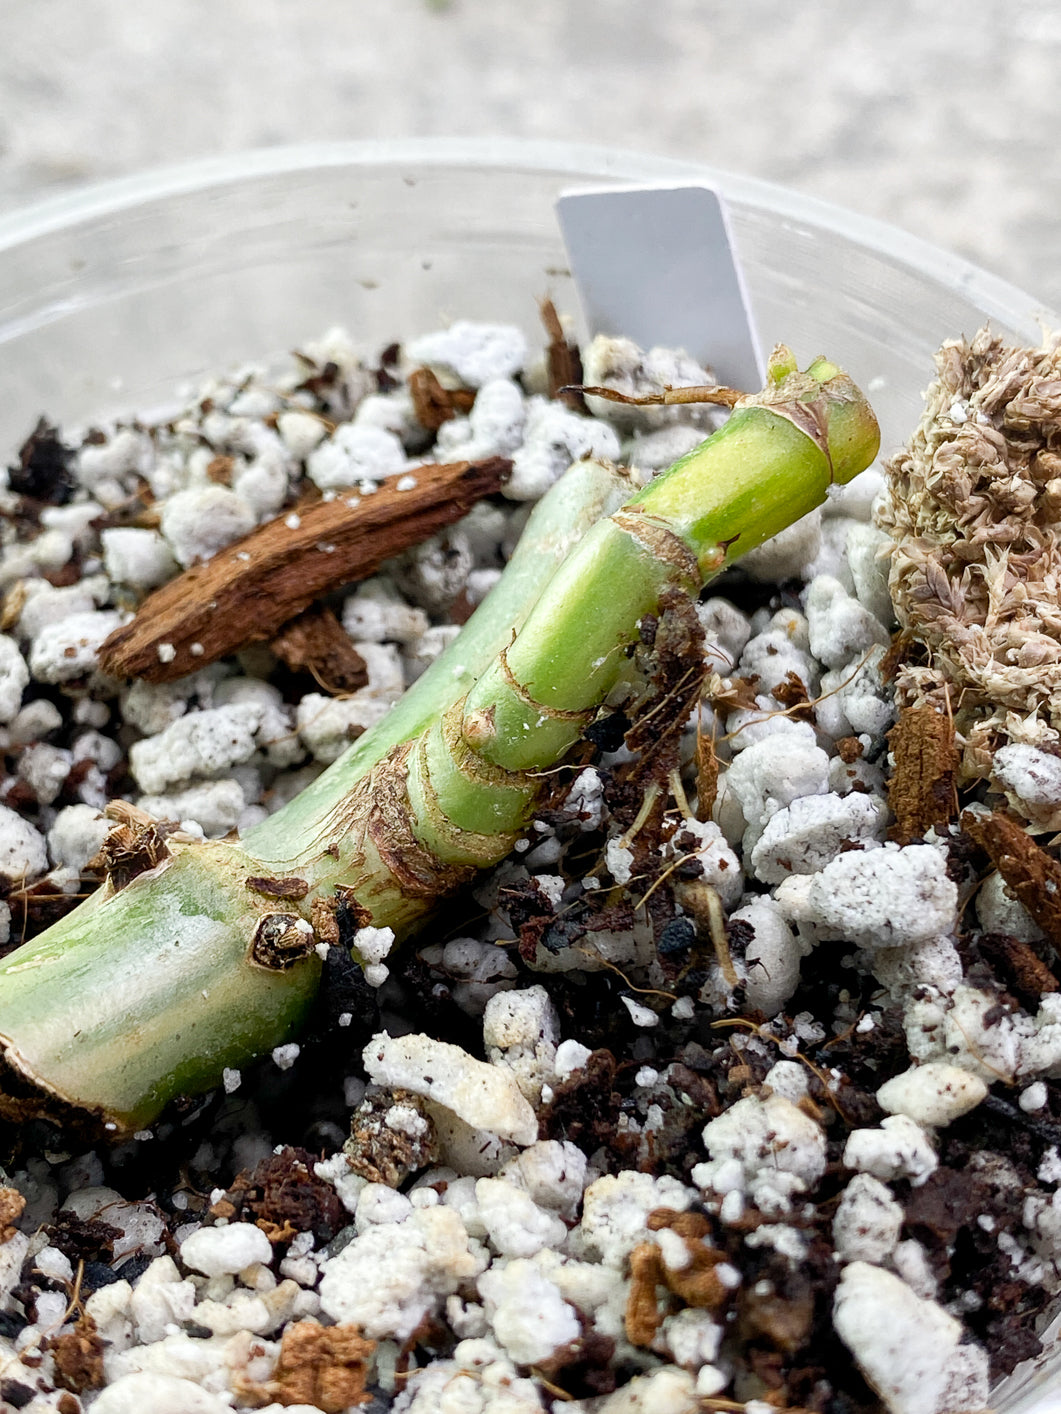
x=151 y=992
x=586 y=492
x=442 y=788
x=472 y=783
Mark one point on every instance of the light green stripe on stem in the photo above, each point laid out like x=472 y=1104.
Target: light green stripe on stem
x=588 y=491
x=136 y=998
x=771 y=463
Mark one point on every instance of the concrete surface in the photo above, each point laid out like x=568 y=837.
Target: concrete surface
x=941 y=118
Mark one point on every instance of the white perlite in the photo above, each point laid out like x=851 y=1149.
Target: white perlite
x=554 y=437
x=217 y=1250
x=14 y=676
x=898 y=1149
x=483 y=1096
x=70 y=648
x=664 y=1391
x=22 y=851
x=162 y=1394
x=198 y=744
x=200 y=521
x=473 y=352
x=514 y=1223
x=907 y=1346
x=1031 y=780
x=392 y=1276
x=877 y=898
x=615 y=1212
x=767 y=1147
x=530 y=1318
x=804 y=836
x=932 y=1094
x=772 y=957
x=867 y=1221
x=373 y=944
x=353 y=453
x=772 y=773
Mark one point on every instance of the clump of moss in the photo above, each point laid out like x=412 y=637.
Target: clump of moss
x=974 y=507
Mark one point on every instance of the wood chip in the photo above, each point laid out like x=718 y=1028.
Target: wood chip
x=1018 y=965
x=220 y=470
x=695 y=1282
x=1030 y=873
x=432 y=403
x=78 y=1356
x=12 y=1204
x=254 y=586
x=792 y=693
x=563 y=360
x=325 y=1367
x=922 y=791
x=642 y=1317
x=316 y=642
x=706 y=775
x=691 y=1225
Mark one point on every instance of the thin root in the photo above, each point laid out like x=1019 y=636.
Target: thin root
x=677 y=790
x=716 y=922
x=612 y=967
x=651 y=796
x=662 y=878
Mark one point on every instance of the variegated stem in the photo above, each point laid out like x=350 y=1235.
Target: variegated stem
x=151 y=992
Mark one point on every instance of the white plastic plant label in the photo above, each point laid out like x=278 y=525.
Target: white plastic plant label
x=657 y=264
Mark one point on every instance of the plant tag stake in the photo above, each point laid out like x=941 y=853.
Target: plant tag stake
x=657 y=264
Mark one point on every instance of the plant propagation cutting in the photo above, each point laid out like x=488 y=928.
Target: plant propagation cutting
x=691 y=1086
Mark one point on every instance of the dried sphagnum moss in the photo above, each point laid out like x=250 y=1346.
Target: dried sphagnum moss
x=974 y=506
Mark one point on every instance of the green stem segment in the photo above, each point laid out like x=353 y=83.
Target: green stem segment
x=148 y=994
x=143 y=995
x=473 y=783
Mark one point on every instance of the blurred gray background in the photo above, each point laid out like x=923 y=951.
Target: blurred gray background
x=941 y=118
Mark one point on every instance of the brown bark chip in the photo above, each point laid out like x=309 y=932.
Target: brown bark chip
x=792 y=693
x=78 y=1357
x=316 y=642
x=706 y=776
x=322 y=1366
x=697 y=1283
x=12 y=1205
x=563 y=360
x=1017 y=964
x=922 y=789
x=642 y=1318
x=432 y=403
x=254 y=586
x=1030 y=873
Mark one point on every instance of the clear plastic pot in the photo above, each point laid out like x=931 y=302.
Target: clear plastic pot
x=113 y=296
